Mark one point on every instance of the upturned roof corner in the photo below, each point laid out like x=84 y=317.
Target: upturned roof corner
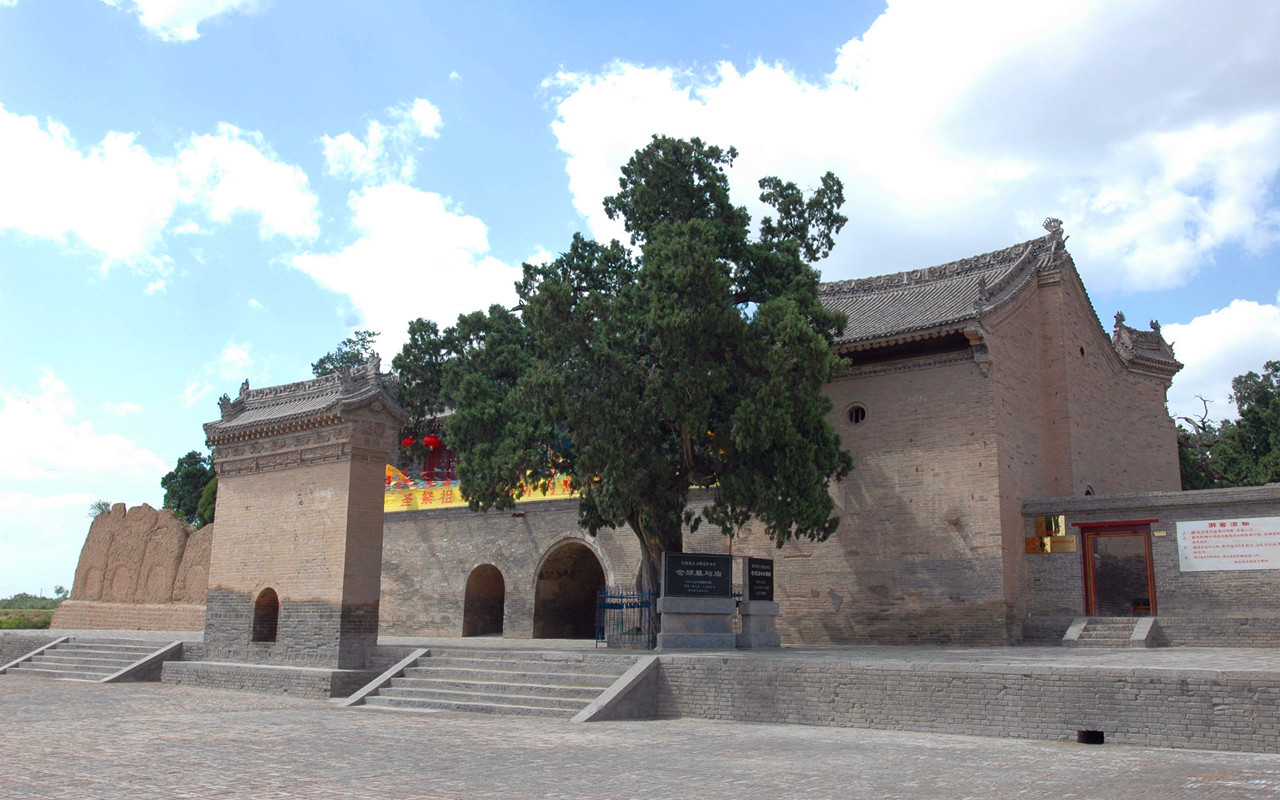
x=1144 y=351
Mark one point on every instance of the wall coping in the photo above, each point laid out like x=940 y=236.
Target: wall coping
x=1199 y=498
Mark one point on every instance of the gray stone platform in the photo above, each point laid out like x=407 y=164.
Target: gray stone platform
x=158 y=741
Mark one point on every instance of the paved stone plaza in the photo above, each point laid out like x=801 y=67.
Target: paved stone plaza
x=78 y=740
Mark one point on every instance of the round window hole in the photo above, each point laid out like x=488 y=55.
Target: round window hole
x=857 y=414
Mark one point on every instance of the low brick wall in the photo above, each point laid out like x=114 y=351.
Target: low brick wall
x=1158 y=708
x=297 y=681
x=99 y=616
x=15 y=644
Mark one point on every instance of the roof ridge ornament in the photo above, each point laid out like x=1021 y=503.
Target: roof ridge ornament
x=1053 y=225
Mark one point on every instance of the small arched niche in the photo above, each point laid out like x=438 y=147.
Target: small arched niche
x=482 y=606
x=266 y=615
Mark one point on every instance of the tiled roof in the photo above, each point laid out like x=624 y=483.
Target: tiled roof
x=293 y=403
x=923 y=302
x=1146 y=350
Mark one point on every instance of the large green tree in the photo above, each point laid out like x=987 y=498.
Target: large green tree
x=185 y=485
x=1240 y=452
x=351 y=352
x=698 y=361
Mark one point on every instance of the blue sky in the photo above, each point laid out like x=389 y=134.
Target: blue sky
x=196 y=192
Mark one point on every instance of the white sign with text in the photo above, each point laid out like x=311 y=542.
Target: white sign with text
x=1221 y=544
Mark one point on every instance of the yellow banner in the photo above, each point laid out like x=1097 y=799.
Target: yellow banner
x=403 y=494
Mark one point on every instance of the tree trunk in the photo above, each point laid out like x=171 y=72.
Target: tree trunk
x=649 y=575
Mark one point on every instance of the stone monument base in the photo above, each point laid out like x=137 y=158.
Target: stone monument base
x=696 y=623
x=759 y=624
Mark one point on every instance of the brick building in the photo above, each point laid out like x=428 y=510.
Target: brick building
x=971 y=387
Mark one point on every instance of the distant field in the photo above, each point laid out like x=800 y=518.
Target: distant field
x=16 y=618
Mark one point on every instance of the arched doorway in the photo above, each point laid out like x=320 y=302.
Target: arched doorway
x=564 y=599
x=266 y=615
x=482 y=606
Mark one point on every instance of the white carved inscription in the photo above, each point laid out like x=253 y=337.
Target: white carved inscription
x=1221 y=544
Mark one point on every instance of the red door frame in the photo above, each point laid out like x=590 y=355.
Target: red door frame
x=1090 y=531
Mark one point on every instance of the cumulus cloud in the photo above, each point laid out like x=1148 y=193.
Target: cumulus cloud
x=179 y=20
x=40 y=539
x=124 y=409
x=234 y=171
x=118 y=201
x=155 y=287
x=958 y=127
x=1215 y=348
x=233 y=364
x=416 y=255
x=46 y=439
x=387 y=151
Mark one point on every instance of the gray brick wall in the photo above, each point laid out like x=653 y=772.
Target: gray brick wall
x=1159 y=707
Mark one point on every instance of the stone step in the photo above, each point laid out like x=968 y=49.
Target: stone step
x=499 y=688
x=123 y=645
x=66 y=675
x=59 y=657
x=473 y=708
x=527 y=665
x=496 y=654
x=1088 y=633
x=69 y=666
x=514 y=675
x=488 y=698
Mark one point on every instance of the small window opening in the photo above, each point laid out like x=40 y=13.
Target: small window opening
x=266 y=616
x=1088 y=491
x=857 y=414
x=1082 y=350
x=1091 y=737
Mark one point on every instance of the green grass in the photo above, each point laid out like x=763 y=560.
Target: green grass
x=24 y=618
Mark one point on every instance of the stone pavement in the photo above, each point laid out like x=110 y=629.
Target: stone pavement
x=77 y=740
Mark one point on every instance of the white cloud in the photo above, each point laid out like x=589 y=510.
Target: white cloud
x=234 y=362
x=974 y=121
x=235 y=171
x=123 y=409
x=195 y=391
x=40 y=539
x=387 y=151
x=155 y=286
x=416 y=256
x=255 y=305
x=179 y=20
x=1215 y=348
x=45 y=439
x=118 y=201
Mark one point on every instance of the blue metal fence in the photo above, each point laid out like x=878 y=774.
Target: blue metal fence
x=625 y=618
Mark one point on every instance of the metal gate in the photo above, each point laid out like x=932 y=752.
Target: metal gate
x=625 y=618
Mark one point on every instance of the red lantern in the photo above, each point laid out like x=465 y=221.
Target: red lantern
x=406 y=442
x=431 y=440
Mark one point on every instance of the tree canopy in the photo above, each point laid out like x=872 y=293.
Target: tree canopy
x=698 y=361
x=351 y=352
x=1240 y=452
x=185 y=485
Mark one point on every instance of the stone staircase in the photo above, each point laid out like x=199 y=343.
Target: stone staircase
x=525 y=683
x=1110 y=632
x=85 y=658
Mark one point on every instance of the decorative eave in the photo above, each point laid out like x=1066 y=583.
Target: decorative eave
x=305 y=405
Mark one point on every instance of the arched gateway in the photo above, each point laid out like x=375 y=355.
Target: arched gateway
x=564 y=598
